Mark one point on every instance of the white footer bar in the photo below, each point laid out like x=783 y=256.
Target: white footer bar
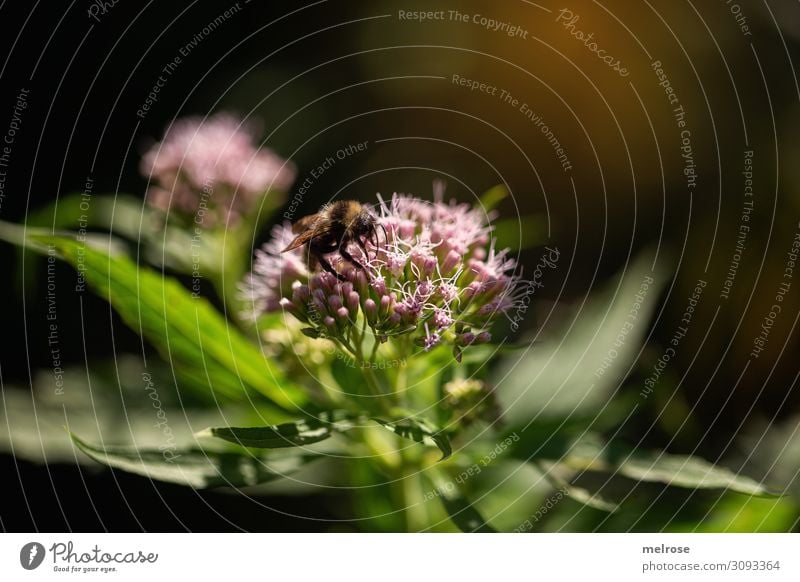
x=406 y=557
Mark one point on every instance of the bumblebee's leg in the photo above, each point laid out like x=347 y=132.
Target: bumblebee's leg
x=348 y=257
x=328 y=267
x=319 y=251
x=364 y=247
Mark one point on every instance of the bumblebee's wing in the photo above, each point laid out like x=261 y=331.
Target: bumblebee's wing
x=304 y=229
x=304 y=223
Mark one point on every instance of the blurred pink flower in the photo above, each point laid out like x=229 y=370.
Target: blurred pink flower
x=211 y=170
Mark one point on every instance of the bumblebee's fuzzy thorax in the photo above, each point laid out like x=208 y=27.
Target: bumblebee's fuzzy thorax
x=345 y=211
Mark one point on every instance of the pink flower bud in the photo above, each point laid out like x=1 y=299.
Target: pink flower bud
x=450 y=262
x=466 y=339
x=407 y=229
x=386 y=302
x=335 y=302
x=379 y=285
x=353 y=302
x=370 y=310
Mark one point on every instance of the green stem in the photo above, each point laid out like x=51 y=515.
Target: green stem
x=401 y=384
x=374 y=384
x=413 y=500
x=375 y=344
x=372 y=381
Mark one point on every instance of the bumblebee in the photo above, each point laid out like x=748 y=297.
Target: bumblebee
x=331 y=230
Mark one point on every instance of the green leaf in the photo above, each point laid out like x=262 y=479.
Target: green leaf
x=577 y=371
x=188 y=332
x=121 y=214
x=592 y=454
x=415 y=431
x=119 y=401
x=494 y=196
x=290 y=434
x=552 y=472
x=465 y=516
x=459 y=509
x=689 y=472
x=195 y=468
x=314 y=430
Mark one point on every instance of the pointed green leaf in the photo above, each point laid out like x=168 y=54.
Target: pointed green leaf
x=570 y=372
x=313 y=430
x=459 y=509
x=464 y=515
x=188 y=332
x=591 y=453
x=195 y=468
x=291 y=434
x=413 y=430
x=552 y=472
x=494 y=196
x=689 y=472
x=271 y=437
x=590 y=499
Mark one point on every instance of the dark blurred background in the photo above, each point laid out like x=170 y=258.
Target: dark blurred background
x=320 y=76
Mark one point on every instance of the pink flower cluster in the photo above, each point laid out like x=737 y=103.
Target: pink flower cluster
x=211 y=171
x=434 y=274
